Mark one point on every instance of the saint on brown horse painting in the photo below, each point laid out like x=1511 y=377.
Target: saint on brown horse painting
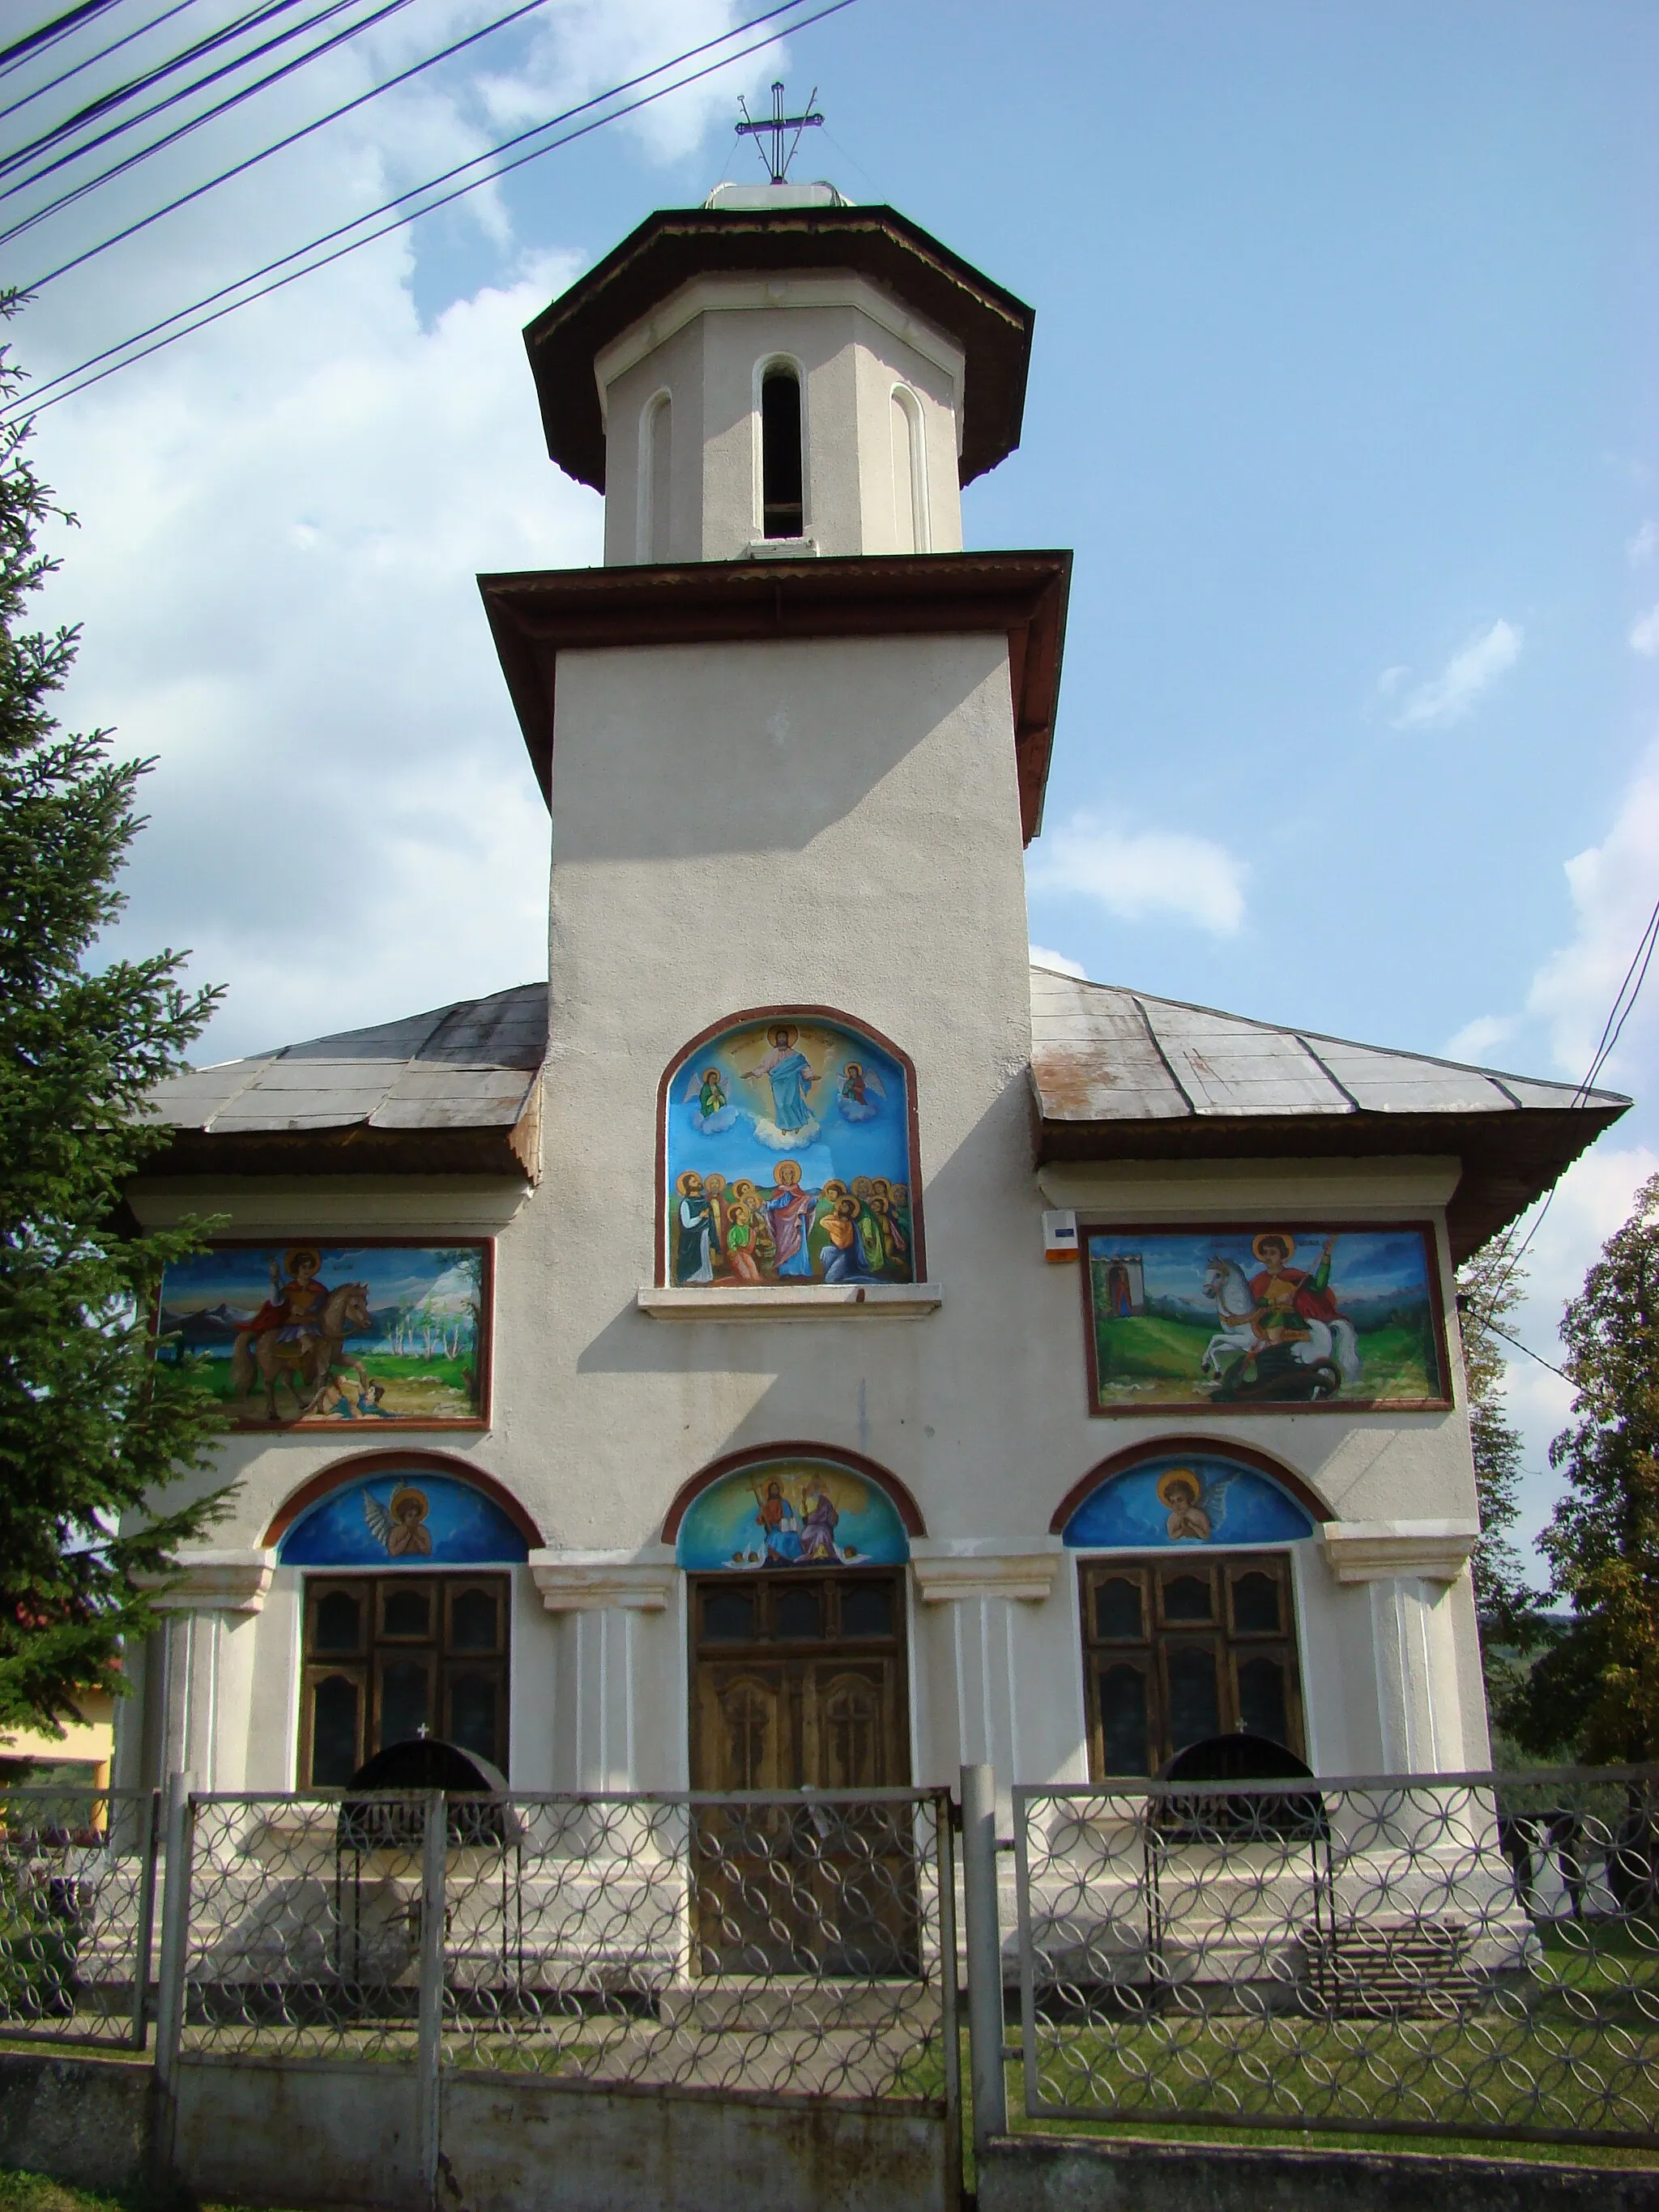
x=308 y=1358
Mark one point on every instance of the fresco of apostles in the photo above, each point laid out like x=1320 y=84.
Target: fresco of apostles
x=788 y=1159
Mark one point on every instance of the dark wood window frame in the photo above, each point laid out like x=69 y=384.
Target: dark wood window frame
x=1154 y=1620
x=384 y=1655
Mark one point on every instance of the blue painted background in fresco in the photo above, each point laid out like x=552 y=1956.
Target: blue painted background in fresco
x=734 y=1524
x=466 y=1528
x=1235 y=1506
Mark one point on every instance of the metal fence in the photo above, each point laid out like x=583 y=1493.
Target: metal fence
x=1471 y=1956
x=802 y=1941
x=77 y=1897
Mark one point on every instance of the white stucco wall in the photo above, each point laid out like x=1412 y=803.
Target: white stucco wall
x=835 y=825
x=853 y=344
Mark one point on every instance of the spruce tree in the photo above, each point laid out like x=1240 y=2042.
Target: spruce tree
x=1597 y=1688
x=91 y=1428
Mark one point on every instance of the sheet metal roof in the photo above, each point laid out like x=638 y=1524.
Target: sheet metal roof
x=453 y=1089
x=1119 y=1075
x=1122 y=1075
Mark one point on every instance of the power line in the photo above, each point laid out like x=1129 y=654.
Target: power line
x=207 y=115
x=102 y=54
x=525 y=7
x=118 y=94
x=1618 y=1014
x=48 y=34
x=37 y=404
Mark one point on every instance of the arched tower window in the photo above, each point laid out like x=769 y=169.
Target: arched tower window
x=910 y=533
x=789 y=1156
x=782 y=509
x=656 y=479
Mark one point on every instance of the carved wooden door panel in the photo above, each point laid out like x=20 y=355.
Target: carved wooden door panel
x=798 y=1682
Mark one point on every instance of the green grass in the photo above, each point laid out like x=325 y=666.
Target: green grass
x=413 y=1384
x=1145 y=1349
x=22 y=2191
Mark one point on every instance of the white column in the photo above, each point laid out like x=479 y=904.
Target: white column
x=600 y=1601
x=986 y=1598
x=209 y=1585
x=1412 y=1567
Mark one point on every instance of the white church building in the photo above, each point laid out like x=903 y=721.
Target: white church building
x=801 y=1342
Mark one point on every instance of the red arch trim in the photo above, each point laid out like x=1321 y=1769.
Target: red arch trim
x=763 y=1455
x=371 y=1463
x=1208 y=1447
x=791 y=1013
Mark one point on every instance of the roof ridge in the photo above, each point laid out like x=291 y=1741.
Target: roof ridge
x=1301 y=1034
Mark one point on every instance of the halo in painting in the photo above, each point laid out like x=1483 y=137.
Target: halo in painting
x=791 y=1513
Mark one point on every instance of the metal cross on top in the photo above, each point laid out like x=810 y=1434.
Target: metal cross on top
x=777 y=125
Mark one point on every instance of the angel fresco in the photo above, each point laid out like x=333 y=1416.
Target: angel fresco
x=400 y=1526
x=788 y=1159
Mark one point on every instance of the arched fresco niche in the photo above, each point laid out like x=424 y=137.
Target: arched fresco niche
x=403 y=1517
x=791 y=1512
x=789 y=1156
x=1186 y=1498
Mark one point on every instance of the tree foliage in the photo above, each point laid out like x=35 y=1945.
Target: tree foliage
x=91 y=1426
x=1489 y=1288
x=1597 y=1688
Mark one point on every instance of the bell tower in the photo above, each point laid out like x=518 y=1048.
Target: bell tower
x=793 y=739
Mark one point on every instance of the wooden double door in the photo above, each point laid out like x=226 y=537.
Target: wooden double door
x=799 y=1683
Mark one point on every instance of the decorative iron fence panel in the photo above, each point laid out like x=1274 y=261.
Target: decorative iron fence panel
x=77 y=1898
x=1472 y=1956
x=802 y=1941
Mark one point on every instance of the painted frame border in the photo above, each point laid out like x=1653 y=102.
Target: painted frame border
x=794 y=1013
x=1298 y=1225
x=400 y=1424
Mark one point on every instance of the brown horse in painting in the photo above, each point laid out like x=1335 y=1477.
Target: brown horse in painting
x=305 y=1362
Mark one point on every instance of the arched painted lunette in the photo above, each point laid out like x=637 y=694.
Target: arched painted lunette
x=760 y=1455
x=1119 y=1462
x=1167 y=1497
x=373 y=1466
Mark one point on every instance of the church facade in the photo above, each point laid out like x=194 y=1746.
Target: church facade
x=801 y=1342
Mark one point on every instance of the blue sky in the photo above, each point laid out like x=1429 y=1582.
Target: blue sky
x=1343 y=393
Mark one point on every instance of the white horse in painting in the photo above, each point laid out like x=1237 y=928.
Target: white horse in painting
x=1225 y=1282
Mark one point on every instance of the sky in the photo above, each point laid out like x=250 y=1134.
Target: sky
x=1343 y=392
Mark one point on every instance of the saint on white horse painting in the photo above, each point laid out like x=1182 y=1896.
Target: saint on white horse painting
x=1265 y=1313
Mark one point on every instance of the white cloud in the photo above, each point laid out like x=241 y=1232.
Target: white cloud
x=1477 y=663
x=1645 y=634
x=282 y=521
x=1138 y=874
x=1612 y=885
x=1644 y=544
x=1042 y=957
x=1479 y=1037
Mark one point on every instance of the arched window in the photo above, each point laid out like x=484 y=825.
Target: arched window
x=789 y=1156
x=656 y=477
x=910 y=474
x=782 y=475
x=1187 y=1606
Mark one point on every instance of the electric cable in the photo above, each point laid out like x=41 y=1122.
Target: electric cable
x=102 y=54
x=207 y=115
x=525 y=7
x=75 y=379
x=82 y=118
x=48 y=34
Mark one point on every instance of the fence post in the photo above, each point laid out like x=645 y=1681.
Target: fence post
x=175 y=1960
x=144 y=1944
x=428 y=2057
x=979 y=1882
